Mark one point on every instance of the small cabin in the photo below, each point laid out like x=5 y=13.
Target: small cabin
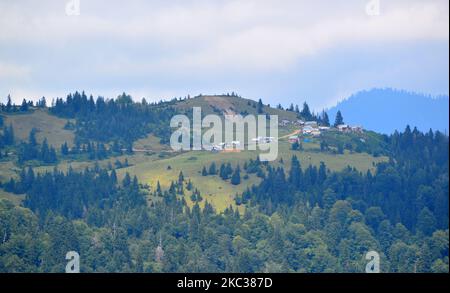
x=293 y=139
x=313 y=124
x=344 y=128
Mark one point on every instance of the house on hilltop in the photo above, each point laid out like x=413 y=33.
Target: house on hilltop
x=347 y=128
x=344 y=128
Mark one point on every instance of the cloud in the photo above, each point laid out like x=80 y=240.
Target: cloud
x=253 y=35
x=13 y=71
x=163 y=44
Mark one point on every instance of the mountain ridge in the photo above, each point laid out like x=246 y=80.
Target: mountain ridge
x=400 y=107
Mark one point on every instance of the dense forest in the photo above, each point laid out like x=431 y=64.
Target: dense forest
x=303 y=218
x=307 y=221
x=120 y=120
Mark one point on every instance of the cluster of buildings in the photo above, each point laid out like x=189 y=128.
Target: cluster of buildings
x=347 y=128
x=225 y=146
x=286 y=122
x=235 y=144
x=263 y=139
x=313 y=129
x=306 y=129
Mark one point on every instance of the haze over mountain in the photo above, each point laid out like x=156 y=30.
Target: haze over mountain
x=387 y=110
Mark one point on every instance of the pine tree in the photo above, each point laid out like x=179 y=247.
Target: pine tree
x=260 y=107
x=236 y=177
x=32 y=137
x=158 y=189
x=306 y=113
x=64 y=149
x=322 y=175
x=42 y=103
x=339 y=119
x=228 y=171
x=180 y=178
x=126 y=180
x=325 y=119
x=113 y=177
x=212 y=169
x=52 y=158
x=8 y=135
x=222 y=171
x=9 y=104
x=24 y=106
x=45 y=151
x=189 y=185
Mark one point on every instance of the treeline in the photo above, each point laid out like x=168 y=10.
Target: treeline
x=307 y=115
x=31 y=150
x=121 y=120
x=88 y=194
x=95 y=151
x=225 y=172
x=11 y=107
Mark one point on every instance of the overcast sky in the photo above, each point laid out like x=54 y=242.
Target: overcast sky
x=281 y=50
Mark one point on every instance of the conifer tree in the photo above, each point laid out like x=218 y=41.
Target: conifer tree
x=339 y=119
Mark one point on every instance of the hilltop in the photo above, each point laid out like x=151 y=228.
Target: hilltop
x=231 y=104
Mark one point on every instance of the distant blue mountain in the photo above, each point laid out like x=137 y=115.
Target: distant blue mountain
x=387 y=110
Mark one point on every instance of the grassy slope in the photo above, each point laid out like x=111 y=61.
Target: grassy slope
x=48 y=126
x=221 y=193
x=150 y=142
x=152 y=168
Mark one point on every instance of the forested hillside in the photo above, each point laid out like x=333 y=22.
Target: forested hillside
x=295 y=215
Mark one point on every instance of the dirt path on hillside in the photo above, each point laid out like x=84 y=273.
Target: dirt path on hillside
x=290 y=134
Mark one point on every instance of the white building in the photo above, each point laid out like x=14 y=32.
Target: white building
x=263 y=139
x=315 y=132
x=343 y=128
x=313 y=124
x=348 y=128
x=285 y=122
x=357 y=129
x=293 y=139
x=307 y=130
